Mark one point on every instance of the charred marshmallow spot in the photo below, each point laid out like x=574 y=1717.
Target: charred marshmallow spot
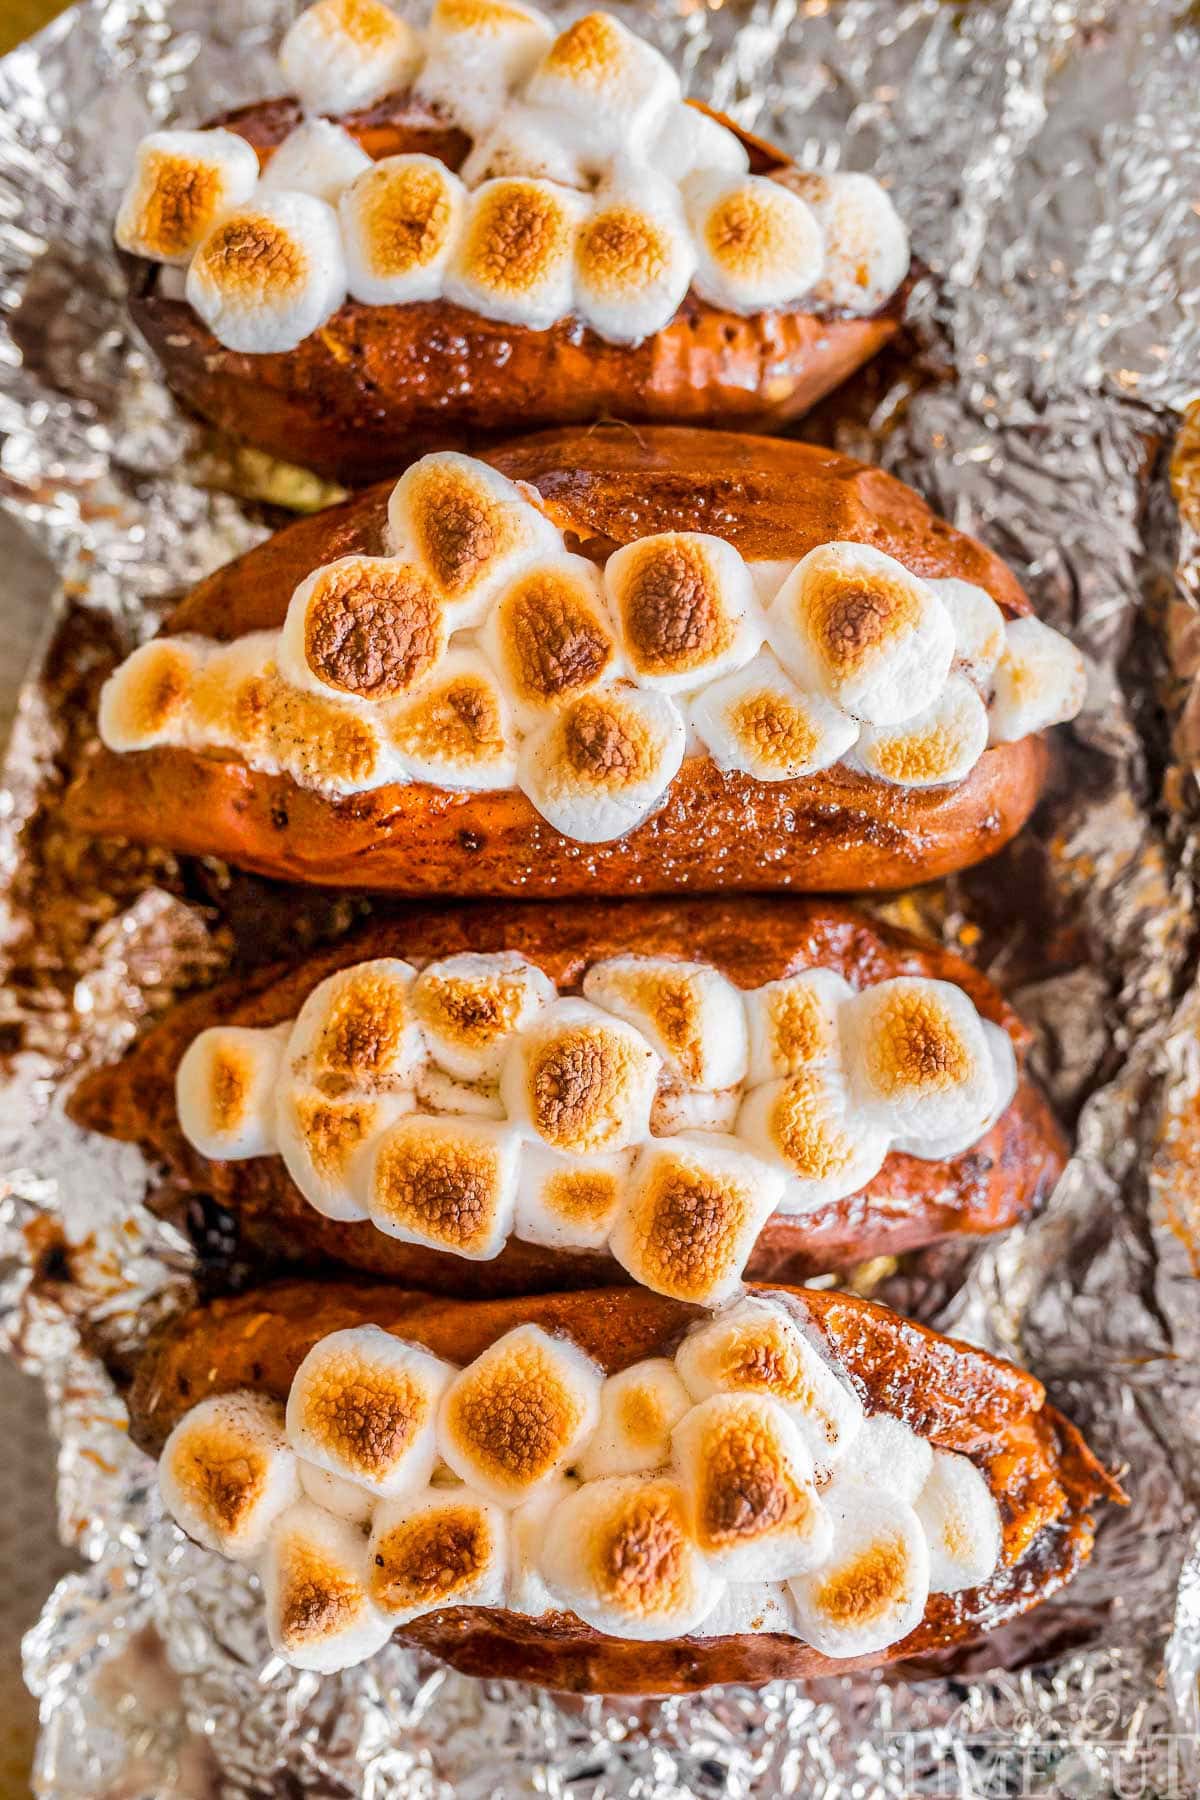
x=516 y=1417
x=940 y=744
x=363 y=1406
x=549 y=638
x=757 y=244
x=580 y=1080
x=599 y=768
x=809 y=1126
x=1040 y=680
x=340 y=55
x=569 y=1202
x=400 y=223
x=515 y=257
x=748 y=1478
x=866 y=244
x=440 y=1548
x=317 y=158
x=760 y=722
x=692 y=1015
x=469 y=528
x=358 y=1030
x=269 y=274
x=872 y=1588
x=369 y=627
x=470 y=1006
x=962 y=1523
x=183 y=181
x=457 y=730
x=146 y=700
x=793 y=1024
x=226 y=1473
x=446 y=1182
x=614 y=87
x=918 y=1059
x=225 y=1091
x=639 y=1409
x=685 y=607
x=477 y=51
x=314 y=1576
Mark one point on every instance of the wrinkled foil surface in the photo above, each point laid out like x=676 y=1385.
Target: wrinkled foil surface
x=1046 y=155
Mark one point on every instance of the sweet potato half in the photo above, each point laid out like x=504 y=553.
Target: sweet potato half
x=835 y=831
x=1004 y=1177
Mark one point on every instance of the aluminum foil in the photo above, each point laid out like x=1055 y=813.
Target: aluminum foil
x=1046 y=155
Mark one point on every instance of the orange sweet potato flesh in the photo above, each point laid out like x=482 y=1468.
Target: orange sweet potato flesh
x=1003 y=1178
x=836 y=831
x=1046 y=1481
x=375 y=384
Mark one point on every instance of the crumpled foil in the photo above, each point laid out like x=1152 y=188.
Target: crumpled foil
x=1046 y=155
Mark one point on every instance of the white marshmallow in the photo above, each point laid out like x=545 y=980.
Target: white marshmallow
x=612 y=86
x=978 y=627
x=334 y=1494
x=811 y=1126
x=477 y=51
x=269 y=274
x=437 y=1092
x=401 y=221
x=469 y=1006
x=363 y=1405
x=918 y=1060
x=517 y=1416
x=358 y=1030
x=693 y=1209
x=634 y=258
x=318 y=158
x=182 y=182
x=940 y=744
x=691 y=1014
x=856 y=624
x=443 y=1547
x=758 y=246
x=793 y=1024
x=569 y=1202
x=962 y=1523
x=515 y=258
x=769 y=577
x=447 y=1182
x=866 y=244
x=226 y=1473
x=457 y=731
x=1005 y=1074
x=524 y=140
x=364 y=628
x=689 y=139
x=762 y=723
x=145 y=701
x=225 y=1091
x=872 y=1589
x=601 y=767
x=677 y=1108
x=685 y=608
x=639 y=1409
x=1040 y=680
x=314 y=1577
x=527 y=1524
x=757 y=1606
x=549 y=637
x=340 y=55
x=580 y=1080
x=888 y=1457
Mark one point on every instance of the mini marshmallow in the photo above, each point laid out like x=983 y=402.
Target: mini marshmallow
x=469 y=527
x=437 y=1092
x=569 y=1202
x=358 y=1030
x=612 y=86
x=979 y=630
x=639 y=1409
x=751 y=1606
x=858 y=625
x=469 y=1006
x=344 y=1499
x=364 y=1406
x=619 y=1554
x=1040 y=680
x=457 y=730
x=600 y=768
x=144 y=702
x=866 y=245
x=758 y=1347
x=748 y=1479
x=269 y=274
x=689 y=139
x=527 y=1592
x=225 y=1091
x=889 y=1457
x=549 y=637
x=760 y=722
x=314 y=1577
x=962 y=1523
x=872 y=1588
x=693 y=1208
x=400 y=221
x=677 y=1108
x=515 y=257
x=810 y=1126
x=634 y=258
x=685 y=609
x=477 y=51
x=1005 y=1075
x=321 y=741
x=444 y=1547
x=340 y=55
x=318 y=158
x=367 y=627
x=447 y=1182
x=580 y=1080
x=226 y=1473
x=182 y=183
x=692 y=1015
x=229 y=691
x=758 y=245
x=940 y=744
x=918 y=1059
x=793 y=1024
x=326 y=1143
x=517 y=1416
x=525 y=140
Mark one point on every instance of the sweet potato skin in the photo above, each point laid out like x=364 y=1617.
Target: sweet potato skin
x=1046 y=1481
x=837 y=831
x=1003 y=1178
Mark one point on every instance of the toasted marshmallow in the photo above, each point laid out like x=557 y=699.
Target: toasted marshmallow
x=793 y=1024
x=549 y=637
x=517 y=1416
x=477 y=51
x=227 y=704
x=639 y=1409
x=345 y=1499
x=918 y=1059
x=1040 y=680
x=760 y=722
x=888 y=1457
x=369 y=627
x=364 y=1406
x=358 y=1030
x=866 y=245
x=940 y=744
x=872 y=1588
x=978 y=628
x=527 y=1591
x=809 y=1125
x=962 y=1523
x=692 y=1015
x=400 y=223
x=678 y=1108
x=269 y=274
x=524 y=140
x=314 y=1576
x=634 y=258
x=685 y=608
x=321 y=740
x=748 y=1478
x=145 y=701
x=444 y=1547
x=875 y=638
x=226 y=1473
x=569 y=1202
x=757 y=245
x=326 y=1143
x=757 y=1347
x=751 y=1606
x=689 y=139
x=457 y=730
x=182 y=182
x=437 y=1092
x=600 y=768
x=469 y=1006
x=318 y=158
x=447 y=1182
x=693 y=1209
x=225 y=1091
x=580 y=1080
x=343 y=54
x=515 y=257
x=470 y=529
x=619 y=1554
x=614 y=87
